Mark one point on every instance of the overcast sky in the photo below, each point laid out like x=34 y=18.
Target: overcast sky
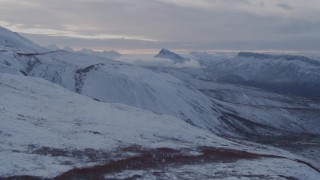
x=144 y=25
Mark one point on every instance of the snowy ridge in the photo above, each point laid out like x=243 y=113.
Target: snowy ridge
x=14 y=42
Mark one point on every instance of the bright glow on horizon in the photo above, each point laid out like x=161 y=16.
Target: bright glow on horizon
x=68 y=33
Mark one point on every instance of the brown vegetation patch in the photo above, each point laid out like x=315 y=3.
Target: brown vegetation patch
x=158 y=159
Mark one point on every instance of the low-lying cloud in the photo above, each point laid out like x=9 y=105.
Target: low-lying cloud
x=150 y=60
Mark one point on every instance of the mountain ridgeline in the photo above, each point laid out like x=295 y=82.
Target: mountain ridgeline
x=279 y=57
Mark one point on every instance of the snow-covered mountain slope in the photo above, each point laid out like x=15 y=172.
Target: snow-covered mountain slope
x=104 y=54
x=36 y=114
x=111 y=81
x=47 y=130
x=291 y=75
x=9 y=64
x=14 y=42
x=167 y=54
x=273 y=117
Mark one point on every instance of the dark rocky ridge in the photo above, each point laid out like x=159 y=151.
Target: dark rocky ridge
x=165 y=53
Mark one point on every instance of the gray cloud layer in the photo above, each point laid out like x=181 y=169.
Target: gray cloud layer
x=178 y=24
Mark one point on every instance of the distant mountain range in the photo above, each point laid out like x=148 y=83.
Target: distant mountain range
x=279 y=57
x=104 y=54
x=285 y=74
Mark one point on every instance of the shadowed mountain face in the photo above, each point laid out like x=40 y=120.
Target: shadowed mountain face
x=285 y=74
x=279 y=57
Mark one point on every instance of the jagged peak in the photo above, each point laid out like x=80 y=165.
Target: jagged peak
x=165 y=53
